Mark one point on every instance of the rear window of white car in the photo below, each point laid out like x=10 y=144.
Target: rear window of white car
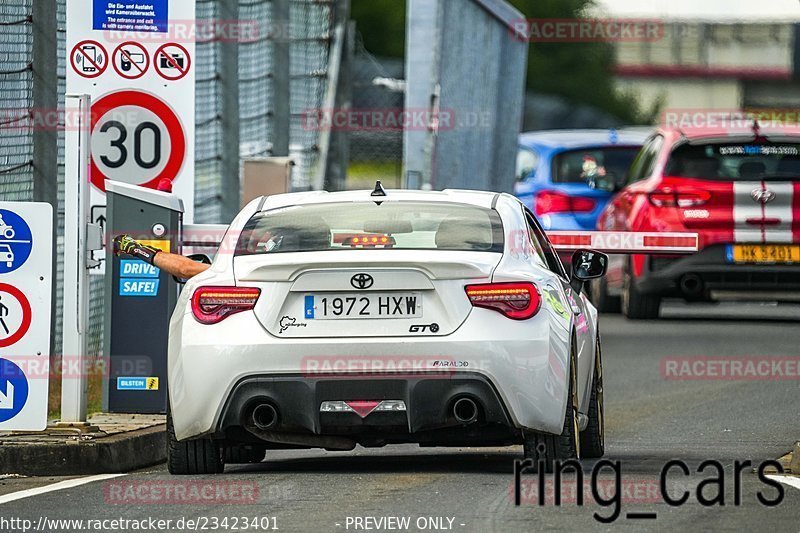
x=369 y=226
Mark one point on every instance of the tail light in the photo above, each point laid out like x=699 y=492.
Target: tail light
x=679 y=198
x=558 y=202
x=211 y=305
x=517 y=300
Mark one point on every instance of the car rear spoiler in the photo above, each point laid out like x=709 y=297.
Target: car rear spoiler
x=206 y=239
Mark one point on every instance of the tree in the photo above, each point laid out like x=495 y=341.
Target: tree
x=579 y=71
x=382 y=25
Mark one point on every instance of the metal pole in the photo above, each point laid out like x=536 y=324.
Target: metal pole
x=45 y=102
x=229 y=80
x=76 y=282
x=281 y=62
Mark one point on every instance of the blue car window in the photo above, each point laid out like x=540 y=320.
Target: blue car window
x=590 y=164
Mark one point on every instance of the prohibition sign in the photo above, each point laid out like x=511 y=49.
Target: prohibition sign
x=164 y=56
x=123 y=55
x=92 y=57
x=26 y=315
x=157 y=106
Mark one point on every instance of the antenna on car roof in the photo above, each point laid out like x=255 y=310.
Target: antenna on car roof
x=379 y=190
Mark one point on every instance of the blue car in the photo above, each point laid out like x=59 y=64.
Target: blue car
x=563 y=176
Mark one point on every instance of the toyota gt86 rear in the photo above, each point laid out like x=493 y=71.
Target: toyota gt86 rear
x=334 y=319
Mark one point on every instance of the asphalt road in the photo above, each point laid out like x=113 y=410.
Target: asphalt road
x=652 y=417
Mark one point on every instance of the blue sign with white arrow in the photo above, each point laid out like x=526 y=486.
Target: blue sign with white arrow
x=13 y=390
x=16 y=242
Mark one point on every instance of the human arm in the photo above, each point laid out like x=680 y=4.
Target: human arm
x=176 y=265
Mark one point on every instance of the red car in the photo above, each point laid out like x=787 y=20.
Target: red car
x=739 y=190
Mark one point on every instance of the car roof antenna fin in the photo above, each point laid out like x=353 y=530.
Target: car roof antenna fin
x=378 y=190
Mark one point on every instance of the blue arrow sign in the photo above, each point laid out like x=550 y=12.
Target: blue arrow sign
x=16 y=242
x=13 y=390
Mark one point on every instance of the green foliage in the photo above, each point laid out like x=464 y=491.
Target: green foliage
x=382 y=25
x=581 y=72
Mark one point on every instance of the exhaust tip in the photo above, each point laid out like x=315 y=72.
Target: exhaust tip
x=465 y=410
x=691 y=284
x=264 y=416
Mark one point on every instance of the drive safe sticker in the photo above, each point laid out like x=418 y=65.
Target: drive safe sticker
x=138 y=279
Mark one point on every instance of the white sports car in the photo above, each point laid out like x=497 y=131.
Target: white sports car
x=334 y=319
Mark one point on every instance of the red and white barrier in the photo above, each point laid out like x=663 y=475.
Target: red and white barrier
x=625 y=242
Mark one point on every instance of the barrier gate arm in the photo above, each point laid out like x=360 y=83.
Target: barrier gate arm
x=206 y=238
x=202 y=238
x=625 y=242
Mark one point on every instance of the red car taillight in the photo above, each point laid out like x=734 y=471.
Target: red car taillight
x=668 y=197
x=558 y=202
x=517 y=300
x=211 y=305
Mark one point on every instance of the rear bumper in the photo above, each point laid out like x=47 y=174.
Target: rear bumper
x=523 y=364
x=708 y=272
x=428 y=419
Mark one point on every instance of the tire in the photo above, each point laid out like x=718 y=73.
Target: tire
x=244 y=454
x=636 y=305
x=593 y=437
x=547 y=447
x=190 y=457
x=604 y=302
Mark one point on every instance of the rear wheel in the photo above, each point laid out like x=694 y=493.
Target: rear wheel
x=604 y=302
x=593 y=437
x=547 y=447
x=636 y=305
x=200 y=456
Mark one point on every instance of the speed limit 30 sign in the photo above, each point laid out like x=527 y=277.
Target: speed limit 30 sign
x=136 y=138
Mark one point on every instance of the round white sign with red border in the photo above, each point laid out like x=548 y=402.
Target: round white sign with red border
x=137 y=138
x=89 y=59
x=131 y=60
x=172 y=61
x=15 y=315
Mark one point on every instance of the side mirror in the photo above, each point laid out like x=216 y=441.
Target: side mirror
x=586 y=265
x=198 y=258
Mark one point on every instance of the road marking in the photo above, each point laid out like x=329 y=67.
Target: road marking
x=61 y=485
x=792 y=481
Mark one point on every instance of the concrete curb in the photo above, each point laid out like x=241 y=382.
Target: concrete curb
x=118 y=453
